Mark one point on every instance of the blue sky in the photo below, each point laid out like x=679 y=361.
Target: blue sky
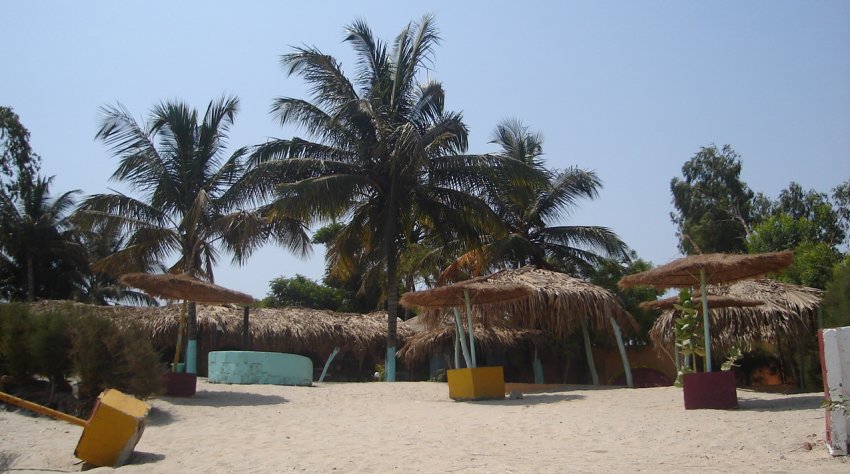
x=630 y=89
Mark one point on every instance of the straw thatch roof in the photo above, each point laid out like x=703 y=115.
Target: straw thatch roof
x=718 y=267
x=294 y=330
x=714 y=301
x=481 y=290
x=556 y=304
x=787 y=309
x=424 y=342
x=183 y=287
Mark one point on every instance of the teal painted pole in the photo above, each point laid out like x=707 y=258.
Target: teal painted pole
x=705 y=324
x=462 y=337
x=192 y=356
x=471 y=329
x=389 y=364
x=328 y=364
x=538 y=368
x=589 y=352
x=626 y=367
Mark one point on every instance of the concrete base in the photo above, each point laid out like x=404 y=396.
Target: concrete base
x=249 y=367
x=481 y=383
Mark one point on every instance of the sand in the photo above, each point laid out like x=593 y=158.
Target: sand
x=415 y=427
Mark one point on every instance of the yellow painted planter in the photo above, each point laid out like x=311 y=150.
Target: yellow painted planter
x=481 y=383
x=115 y=426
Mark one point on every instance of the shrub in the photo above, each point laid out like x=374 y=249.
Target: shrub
x=106 y=356
x=15 y=330
x=50 y=345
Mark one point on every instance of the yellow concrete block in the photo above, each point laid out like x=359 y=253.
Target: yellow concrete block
x=116 y=424
x=481 y=383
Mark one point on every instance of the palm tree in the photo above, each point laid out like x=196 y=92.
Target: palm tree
x=383 y=156
x=39 y=256
x=178 y=164
x=528 y=211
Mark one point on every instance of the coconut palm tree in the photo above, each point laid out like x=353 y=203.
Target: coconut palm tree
x=529 y=212
x=179 y=165
x=383 y=156
x=39 y=255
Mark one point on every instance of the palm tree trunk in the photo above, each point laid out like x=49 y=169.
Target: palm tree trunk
x=30 y=278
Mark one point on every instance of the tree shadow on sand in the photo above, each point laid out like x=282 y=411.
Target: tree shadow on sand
x=806 y=402
x=225 y=399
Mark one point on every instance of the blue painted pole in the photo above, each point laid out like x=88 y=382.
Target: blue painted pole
x=192 y=356
x=462 y=337
x=389 y=365
x=328 y=364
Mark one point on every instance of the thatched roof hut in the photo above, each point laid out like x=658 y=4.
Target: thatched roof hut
x=786 y=310
x=556 y=303
x=424 y=342
x=296 y=330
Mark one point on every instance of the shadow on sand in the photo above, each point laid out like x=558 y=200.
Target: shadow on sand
x=797 y=402
x=532 y=399
x=225 y=399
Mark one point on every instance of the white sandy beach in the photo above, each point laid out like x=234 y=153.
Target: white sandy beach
x=415 y=427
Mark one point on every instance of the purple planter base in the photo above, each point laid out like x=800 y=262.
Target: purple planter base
x=178 y=384
x=713 y=390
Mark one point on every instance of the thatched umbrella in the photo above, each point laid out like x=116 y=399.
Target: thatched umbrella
x=703 y=270
x=186 y=288
x=475 y=292
x=786 y=308
x=557 y=303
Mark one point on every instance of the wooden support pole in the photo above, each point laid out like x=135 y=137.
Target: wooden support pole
x=462 y=337
x=245 y=331
x=327 y=363
x=471 y=329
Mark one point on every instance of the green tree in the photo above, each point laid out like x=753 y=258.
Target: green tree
x=382 y=153
x=178 y=163
x=841 y=198
x=39 y=254
x=713 y=205
x=836 y=300
x=529 y=212
x=303 y=292
x=18 y=163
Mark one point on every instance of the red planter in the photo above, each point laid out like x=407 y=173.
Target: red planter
x=713 y=390
x=178 y=384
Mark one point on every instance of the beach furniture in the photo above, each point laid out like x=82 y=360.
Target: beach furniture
x=111 y=432
x=253 y=367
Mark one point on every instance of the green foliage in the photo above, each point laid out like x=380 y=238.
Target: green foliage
x=106 y=356
x=50 y=345
x=731 y=361
x=303 y=292
x=713 y=205
x=18 y=163
x=841 y=198
x=836 y=300
x=40 y=256
x=15 y=331
x=689 y=335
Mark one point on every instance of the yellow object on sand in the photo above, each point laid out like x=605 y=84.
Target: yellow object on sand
x=480 y=383
x=116 y=424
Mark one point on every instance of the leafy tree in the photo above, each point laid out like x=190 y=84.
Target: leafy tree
x=383 y=154
x=529 y=212
x=18 y=163
x=39 y=255
x=362 y=289
x=713 y=205
x=177 y=162
x=836 y=300
x=303 y=292
x=841 y=197
x=609 y=272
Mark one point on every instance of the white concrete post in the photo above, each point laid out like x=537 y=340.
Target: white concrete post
x=835 y=361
